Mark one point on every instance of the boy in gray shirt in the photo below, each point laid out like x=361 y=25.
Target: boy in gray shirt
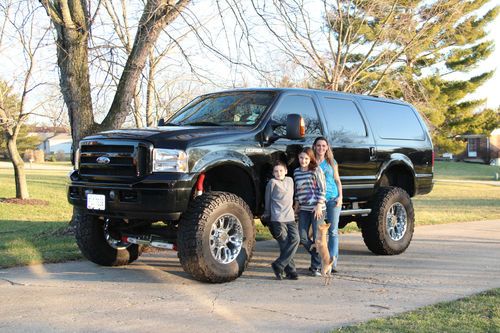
x=279 y=211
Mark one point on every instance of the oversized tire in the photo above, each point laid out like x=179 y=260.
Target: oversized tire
x=389 y=228
x=99 y=243
x=216 y=237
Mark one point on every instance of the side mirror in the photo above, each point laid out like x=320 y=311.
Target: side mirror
x=295 y=127
x=161 y=122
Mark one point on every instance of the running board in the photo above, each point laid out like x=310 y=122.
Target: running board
x=349 y=212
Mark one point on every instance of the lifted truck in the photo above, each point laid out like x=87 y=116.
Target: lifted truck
x=196 y=182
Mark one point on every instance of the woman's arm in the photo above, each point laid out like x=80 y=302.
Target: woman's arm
x=336 y=177
x=320 y=192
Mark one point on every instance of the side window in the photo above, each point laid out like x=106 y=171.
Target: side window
x=302 y=105
x=393 y=121
x=343 y=120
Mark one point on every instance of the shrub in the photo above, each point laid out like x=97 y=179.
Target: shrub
x=39 y=156
x=28 y=155
x=60 y=156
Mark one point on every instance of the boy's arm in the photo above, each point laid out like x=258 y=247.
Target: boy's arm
x=295 y=197
x=267 y=199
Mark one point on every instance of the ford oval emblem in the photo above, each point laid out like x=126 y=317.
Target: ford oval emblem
x=103 y=160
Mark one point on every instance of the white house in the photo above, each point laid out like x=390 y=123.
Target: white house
x=60 y=142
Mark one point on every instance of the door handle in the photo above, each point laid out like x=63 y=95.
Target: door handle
x=372 y=153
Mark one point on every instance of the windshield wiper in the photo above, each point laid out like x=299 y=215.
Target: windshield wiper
x=202 y=123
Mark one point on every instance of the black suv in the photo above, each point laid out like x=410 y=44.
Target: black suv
x=196 y=182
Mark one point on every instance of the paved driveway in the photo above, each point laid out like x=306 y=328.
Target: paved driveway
x=444 y=262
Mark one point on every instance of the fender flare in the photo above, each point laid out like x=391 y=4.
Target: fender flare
x=219 y=158
x=397 y=159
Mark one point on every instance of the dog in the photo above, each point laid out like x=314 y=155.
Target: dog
x=321 y=245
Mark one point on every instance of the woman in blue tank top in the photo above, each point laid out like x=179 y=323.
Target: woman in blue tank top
x=324 y=157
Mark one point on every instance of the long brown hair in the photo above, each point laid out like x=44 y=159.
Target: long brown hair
x=310 y=152
x=329 y=153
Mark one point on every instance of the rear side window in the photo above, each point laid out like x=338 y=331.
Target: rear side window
x=393 y=121
x=343 y=120
x=302 y=105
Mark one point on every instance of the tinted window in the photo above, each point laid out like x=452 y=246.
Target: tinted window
x=302 y=105
x=393 y=121
x=343 y=120
x=237 y=108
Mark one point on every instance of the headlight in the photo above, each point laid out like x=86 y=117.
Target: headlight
x=170 y=160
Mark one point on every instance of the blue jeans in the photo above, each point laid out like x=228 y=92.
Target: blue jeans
x=287 y=235
x=306 y=220
x=332 y=217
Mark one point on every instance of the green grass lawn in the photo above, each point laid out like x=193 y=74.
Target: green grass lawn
x=478 y=313
x=33 y=234
x=464 y=171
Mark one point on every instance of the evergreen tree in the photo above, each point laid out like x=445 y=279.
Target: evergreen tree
x=24 y=141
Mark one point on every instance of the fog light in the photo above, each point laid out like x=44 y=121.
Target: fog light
x=112 y=195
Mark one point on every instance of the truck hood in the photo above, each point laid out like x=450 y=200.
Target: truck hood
x=168 y=135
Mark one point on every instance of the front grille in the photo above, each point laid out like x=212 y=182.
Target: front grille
x=114 y=160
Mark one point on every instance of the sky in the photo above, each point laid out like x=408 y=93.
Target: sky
x=491 y=89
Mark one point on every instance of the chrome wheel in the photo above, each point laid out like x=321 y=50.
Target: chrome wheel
x=111 y=240
x=226 y=238
x=396 y=221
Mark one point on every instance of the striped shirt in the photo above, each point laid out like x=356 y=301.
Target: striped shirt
x=309 y=188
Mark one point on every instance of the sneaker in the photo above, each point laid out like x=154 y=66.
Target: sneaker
x=277 y=271
x=292 y=276
x=314 y=271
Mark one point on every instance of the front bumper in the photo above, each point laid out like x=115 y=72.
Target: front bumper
x=155 y=197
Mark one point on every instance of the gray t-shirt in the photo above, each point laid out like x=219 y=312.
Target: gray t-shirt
x=279 y=200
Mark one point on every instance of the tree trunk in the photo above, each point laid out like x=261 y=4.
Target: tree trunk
x=72 y=58
x=18 y=164
x=150 y=91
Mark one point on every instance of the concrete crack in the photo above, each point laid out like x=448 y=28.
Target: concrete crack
x=213 y=302
x=380 y=306
x=289 y=314
x=12 y=283
x=358 y=279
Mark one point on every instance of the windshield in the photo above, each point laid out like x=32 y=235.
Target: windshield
x=233 y=109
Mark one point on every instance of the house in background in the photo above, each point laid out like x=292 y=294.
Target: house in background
x=55 y=140
x=58 y=143
x=481 y=148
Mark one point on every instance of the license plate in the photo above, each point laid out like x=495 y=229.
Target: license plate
x=96 y=201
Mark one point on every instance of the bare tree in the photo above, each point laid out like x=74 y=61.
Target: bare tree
x=19 y=19
x=163 y=85
x=73 y=21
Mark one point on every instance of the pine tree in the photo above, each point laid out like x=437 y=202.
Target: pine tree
x=459 y=47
